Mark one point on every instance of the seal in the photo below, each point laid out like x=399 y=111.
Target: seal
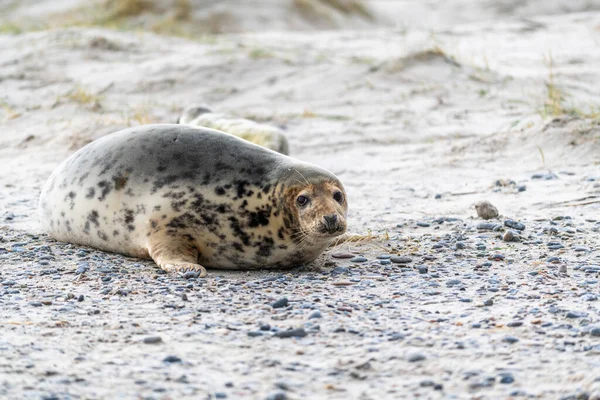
x=261 y=134
x=191 y=198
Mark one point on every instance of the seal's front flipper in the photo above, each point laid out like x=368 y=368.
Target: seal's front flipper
x=175 y=254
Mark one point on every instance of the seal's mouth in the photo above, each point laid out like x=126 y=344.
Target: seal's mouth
x=332 y=230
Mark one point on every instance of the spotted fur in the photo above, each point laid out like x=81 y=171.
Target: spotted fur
x=193 y=195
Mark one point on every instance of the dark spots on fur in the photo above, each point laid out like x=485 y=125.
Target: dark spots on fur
x=102 y=235
x=206 y=178
x=265 y=248
x=259 y=218
x=157 y=208
x=83 y=177
x=266 y=188
x=238 y=232
x=238 y=247
x=62 y=213
x=222 y=208
x=105 y=188
x=119 y=181
x=93 y=218
x=115 y=233
x=128 y=219
x=183 y=221
x=68 y=225
x=153 y=224
x=174 y=195
x=259 y=195
x=244 y=204
x=70 y=197
x=221 y=166
x=240 y=188
x=91 y=193
x=280 y=233
x=164 y=181
x=161 y=168
x=220 y=191
x=176 y=205
x=129 y=192
x=129 y=170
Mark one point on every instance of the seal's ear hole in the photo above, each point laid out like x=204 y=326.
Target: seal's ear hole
x=338 y=196
x=302 y=200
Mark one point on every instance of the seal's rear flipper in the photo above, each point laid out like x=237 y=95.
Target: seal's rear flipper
x=191 y=113
x=175 y=254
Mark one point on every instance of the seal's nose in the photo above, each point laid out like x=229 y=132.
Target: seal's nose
x=331 y=222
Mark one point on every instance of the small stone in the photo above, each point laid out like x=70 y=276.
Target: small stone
x=342 y=255
x=514 y=225
x=265 y=327
x=460 y=246
x=438 y=196
x=220 y=395
x=358 y=259
x=488 y=302
x=510 y=339
x=423 y=269
x=35 y=303
x=283 y=302
x=514 y=324
x=487 y=226
x=191 y=274
x=152 y=340
x=486 y=210
x=277 y=396
x=172 y=359
x=595 y=331
x=315 y=314
x=400 y=259
x=184 y=297
x=508 y=236
x=300 y=332
x=255 y=333
x=423 y=224
x=496 y=257
x=81 y=298
x=562 y=269
x=414 y=357
x=506 y=378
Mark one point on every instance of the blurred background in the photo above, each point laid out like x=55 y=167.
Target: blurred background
x=196 y=17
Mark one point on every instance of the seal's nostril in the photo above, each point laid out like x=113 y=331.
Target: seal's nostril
x=330 y=220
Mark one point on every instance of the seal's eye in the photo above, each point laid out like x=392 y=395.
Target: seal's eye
x=302 y=201
x=339 y=197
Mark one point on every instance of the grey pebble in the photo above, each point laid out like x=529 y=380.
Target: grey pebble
x=423 y=224
x=315 y=314
x=514 y=225
x=277 y=396
x=414 y=357
x=255 y=333
x=35 y=304
x=152 y=339
x=220 y=395
x=299 y=332
x=401 y=259
x=510 y=339
x=487 y=226
x=358 y=259
x=423 y=269
x=283 y=302
x=172 y=359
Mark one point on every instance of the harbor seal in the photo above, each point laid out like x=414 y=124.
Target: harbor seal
x=261 y=134
x=191 y=198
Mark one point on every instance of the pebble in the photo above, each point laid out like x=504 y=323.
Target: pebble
x=595 y=331
x=255 y=333
x=423 y=224
x=423 y=269
x=277 y=396
x=510 y=339
x=35 y=303
x=486 y=210
x=508 y=236
x=299 y=332
x=220 y=395
x=152 y=339
x=283 y=302
x=488 y=302
x=400 y=259
x=414 y=357
x=358 y=259
x=562 y=269
x=506 y=378
x=514 y=225
x=487 y=226
x=315 y=314
x=172 y=359
x=342 y=255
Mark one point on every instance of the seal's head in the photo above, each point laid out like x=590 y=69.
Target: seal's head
x=318 y=207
